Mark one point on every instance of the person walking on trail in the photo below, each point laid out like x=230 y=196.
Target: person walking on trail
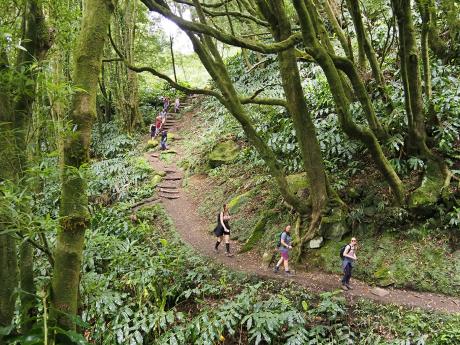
x=153 y=130
x=222 y=230
x=349 y=257
x=284 y=246
x=158 y=124
x=165 y=104
x=177 y=105
x=164 y=137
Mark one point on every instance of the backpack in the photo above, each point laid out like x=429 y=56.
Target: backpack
x=342 y=251
x=278 y=237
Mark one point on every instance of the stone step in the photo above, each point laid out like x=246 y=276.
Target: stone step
x=155 y=155
x=167 y=186
x=169 y=196
x=172 y=178
x=169 y=191
x=170 y=170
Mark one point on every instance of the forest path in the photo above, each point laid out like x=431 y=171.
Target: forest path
x=194 y=230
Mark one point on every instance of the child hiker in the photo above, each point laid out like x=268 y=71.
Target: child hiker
x=285 y=245
x=223 y=230
x=176 y=105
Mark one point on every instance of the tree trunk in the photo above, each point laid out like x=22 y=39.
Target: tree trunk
x=323 y=58
x=305 y=130
x=365 y=42
x=74 y=212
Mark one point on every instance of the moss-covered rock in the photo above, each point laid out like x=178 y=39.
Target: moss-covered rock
x=333 y=226
x=424 y=198
x=297 y=182
x=384 y=276
x=237 y=202
x=223 y=153
x=151 y=144
x=156 y=180
x=257 y=233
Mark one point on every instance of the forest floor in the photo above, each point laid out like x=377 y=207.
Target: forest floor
x=182 y=208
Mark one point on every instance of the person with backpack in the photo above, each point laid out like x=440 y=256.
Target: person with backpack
x=222 y=230
x=164 y=137
x=176 y=105
x=284 y=245
x=348 y=256
x=158 y=125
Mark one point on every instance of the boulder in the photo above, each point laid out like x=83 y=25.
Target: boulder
x=379 y=292
x=156 y=180
x=267 y=257
x=424 y=198
x=297 y=182
x=235 y=204
x=315 y=243
x=334 y=227
x=223 y=153
x=151 y=144
x=384 y=277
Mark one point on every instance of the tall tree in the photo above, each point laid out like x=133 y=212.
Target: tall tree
x=74 y=212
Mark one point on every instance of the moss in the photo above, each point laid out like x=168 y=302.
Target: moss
x=424 y=197
x=156 y=180
x=151 y=144
x=297 y=182
x=224 y=153
x=237 y=202
x=257 y=233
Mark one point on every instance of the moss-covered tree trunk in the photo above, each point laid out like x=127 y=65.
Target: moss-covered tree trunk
x=212 y=61
x=74 y=212
x=365 y=42
x=411 y=80
x=275 y=14
x=367 y=137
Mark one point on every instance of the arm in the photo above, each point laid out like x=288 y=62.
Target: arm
x=284 y=243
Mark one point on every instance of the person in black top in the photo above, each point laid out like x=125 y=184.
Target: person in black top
x=164 y=137
x=222 y=230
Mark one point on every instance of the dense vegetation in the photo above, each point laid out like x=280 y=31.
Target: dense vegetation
x=346 y=120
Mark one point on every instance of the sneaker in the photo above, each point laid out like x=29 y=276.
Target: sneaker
x=276 y=269
x=349 y=287
x=228 y=254
x=288 y=273
x=344 y=287
x=216 y=250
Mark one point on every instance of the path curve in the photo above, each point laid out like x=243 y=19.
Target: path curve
x=193 y=230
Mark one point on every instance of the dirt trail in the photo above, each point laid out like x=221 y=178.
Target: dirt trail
x=193 y=229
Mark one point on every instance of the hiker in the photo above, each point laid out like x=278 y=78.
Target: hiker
x=176 y=105
x=158 y=124
x=284 y=246
x=164 y=137
x=349 y=257
x=223 y=230
x=165 y=104
x=152 y=130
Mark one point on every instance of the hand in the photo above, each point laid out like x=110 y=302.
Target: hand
x=290 y=247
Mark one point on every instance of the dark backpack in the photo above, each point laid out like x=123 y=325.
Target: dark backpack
x=278 y=243
x=342 y=251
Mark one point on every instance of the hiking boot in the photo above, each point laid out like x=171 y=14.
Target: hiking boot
x=276 y=269
x=344 y=287
x=216 y=250
x=349 y=287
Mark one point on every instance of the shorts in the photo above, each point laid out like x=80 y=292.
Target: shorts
x=284 y=254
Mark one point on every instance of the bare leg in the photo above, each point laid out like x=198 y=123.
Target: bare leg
x=286 y=265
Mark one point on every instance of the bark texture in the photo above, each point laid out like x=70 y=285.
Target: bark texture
x=74 y=212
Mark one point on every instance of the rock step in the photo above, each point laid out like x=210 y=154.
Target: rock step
x=170 y=171
x=172 y=178
x=167 y=186
x=155 y=155
x=169 y=196
x=169 y=191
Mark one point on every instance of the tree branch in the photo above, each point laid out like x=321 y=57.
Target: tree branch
x=43 y=249
x=155 y=6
